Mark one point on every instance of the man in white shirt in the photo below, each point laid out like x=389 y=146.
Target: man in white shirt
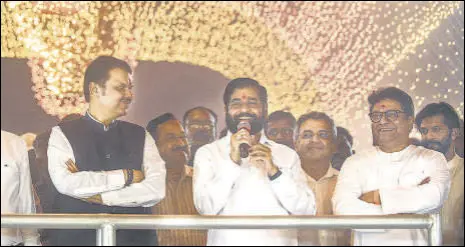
x=17 y=197
x=102 y=165
x=439 y=126
x=267 y=180
x=393 y=177
x=316 y=139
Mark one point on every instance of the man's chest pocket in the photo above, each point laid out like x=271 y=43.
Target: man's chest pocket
x=9 y=169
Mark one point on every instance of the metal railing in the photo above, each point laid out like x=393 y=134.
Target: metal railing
x=106 y=224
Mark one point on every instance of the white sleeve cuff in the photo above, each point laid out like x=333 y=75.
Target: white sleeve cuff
x=387 y=205
x=116 y=179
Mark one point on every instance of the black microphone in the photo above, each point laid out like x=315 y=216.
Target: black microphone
x=244 y=147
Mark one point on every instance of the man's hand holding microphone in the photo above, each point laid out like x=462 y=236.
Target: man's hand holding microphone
x=242 y=147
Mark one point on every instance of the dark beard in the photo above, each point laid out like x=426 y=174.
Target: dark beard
x=256 y=124
x=442 y=147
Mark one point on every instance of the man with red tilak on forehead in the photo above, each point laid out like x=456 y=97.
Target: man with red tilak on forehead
x=244 y=173
x=393 y=177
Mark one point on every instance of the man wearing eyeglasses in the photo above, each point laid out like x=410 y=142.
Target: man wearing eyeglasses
x=280 y=128
x=315 y=143
x=439 y=126
x=172 y=143
x=200 y=126
x=393 y=177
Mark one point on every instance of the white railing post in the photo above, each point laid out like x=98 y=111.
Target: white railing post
x=99 y=237
x=106 y=235
x=434 y=232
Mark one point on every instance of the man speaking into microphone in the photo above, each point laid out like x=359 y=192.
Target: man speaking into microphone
x=244 y=173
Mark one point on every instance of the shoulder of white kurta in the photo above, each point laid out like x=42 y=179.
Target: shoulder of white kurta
x=361 y=158
x=216 y=146
x=427 y=155
x=11 y=138
x=12 y=142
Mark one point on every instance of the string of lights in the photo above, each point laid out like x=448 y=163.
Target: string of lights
x=325 y=56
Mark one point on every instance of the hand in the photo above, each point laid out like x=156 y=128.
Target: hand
x=138 y=176
x=189 y=171
x=242 y=136
x=371 y=197
x=425 y=181
x=260 y=156
x=97 y=199
x=73 y=169
x=71 y=166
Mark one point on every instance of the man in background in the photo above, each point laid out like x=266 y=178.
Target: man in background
x=316 y=139
x=172 y=142
x=200 y=126
x=280 y=128
x=439 y=126
x=344 y=149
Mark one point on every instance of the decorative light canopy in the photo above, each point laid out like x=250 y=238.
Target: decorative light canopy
x=325 y=56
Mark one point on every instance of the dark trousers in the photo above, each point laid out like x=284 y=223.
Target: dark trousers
x=88 y=237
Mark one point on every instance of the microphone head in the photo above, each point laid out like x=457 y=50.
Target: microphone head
x=244 y=125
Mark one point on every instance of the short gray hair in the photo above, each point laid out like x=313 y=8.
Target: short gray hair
x=316 y=116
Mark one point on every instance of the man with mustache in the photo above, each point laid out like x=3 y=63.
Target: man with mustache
x=394 y=177
x=280 y=127
x=200 y=126
x=439 y=126
x=100 y=164
x=267 y=181
x=174 y=149
x=316 y=139
x=344 y=149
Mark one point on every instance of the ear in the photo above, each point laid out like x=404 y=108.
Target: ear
x=455 y=133
x=93 y=88
x=411 y=121
x=334 y=146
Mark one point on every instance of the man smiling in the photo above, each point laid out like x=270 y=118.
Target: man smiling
x=394 y=177
x=269 y=181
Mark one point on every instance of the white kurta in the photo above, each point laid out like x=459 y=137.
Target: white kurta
x=396 y=176
x=16 y=189
x=222 y=187
x=452 y=211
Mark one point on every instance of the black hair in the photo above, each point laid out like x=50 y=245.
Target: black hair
x=278 y=115
x=317 y=116
x=244 y=83
x=341 y=131
x=98 y=72
x=451 y=118
x=395 y=94
x=153 y=124
x=186 y=115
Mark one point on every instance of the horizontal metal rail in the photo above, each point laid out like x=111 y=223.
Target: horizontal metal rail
x=106 y=224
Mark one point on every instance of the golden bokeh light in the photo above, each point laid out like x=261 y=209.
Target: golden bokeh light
x=325 y=56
